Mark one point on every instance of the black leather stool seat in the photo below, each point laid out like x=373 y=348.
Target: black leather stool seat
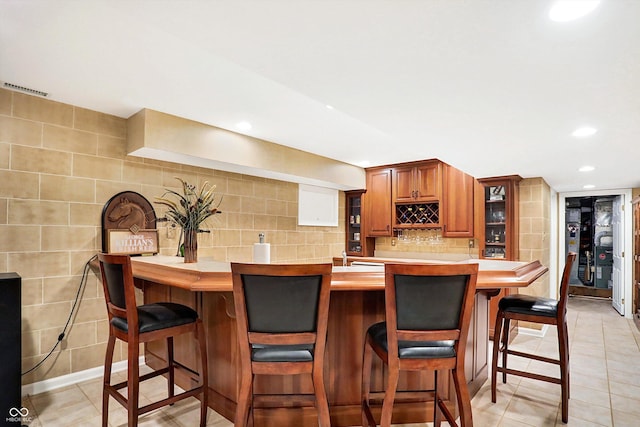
x=527 y=304
x=282 y=353
x=412 y=349
x=152 y=317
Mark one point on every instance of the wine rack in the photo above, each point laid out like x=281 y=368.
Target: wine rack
x=422 y=214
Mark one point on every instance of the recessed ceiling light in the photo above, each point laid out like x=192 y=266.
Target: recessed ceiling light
x=586 y=169
x=329 y=107
x=569 y=10
x=243 y=126
x=584 y=132
x=589 y=186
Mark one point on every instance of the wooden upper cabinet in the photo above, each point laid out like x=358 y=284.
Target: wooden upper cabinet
x=378 y=203
x=499 y=237
x=417 y=183
x=403 y=186
x=457 y=205
x=357 y=244
x=419 y=195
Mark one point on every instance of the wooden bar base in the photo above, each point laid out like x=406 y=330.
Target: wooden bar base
x=357 y=301
x=350 y=314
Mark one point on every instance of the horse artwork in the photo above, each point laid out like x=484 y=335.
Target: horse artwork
x=129 y=225
x=128 y=216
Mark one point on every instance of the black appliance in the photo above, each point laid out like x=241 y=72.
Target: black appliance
x=11 y=411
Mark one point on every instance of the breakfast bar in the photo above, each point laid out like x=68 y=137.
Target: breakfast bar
x=357 y=301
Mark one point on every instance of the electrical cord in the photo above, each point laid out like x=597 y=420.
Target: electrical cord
x=83 y=282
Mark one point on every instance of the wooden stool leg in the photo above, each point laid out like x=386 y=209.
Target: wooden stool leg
x=244 y=398
x=437 y=412
x=204 y=372
x=133 y=383
x=171 y=380
x=389 y=397
x=497 y=338
x=322 y=405
x=564 y=370
x=567 y=364
x=464 y=399
x=367 y=360
x=108 y=361
x=505 y=347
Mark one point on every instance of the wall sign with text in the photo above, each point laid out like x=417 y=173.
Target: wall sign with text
x=129 y=225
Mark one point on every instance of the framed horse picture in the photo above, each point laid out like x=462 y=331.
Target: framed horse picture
x=129 y=225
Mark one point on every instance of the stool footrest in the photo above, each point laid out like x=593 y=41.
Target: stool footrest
x=170 y=400
x=402 y=396
x=533 y=356
x=531 y=375
x=144 y=409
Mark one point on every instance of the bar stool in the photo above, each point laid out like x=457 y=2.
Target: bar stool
x=140 y=324
x=428 y=312
x=282 y=313
x=537 y=310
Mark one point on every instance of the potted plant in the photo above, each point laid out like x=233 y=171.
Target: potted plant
x=189 y=210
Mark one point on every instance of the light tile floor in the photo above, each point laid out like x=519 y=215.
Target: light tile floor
x=605 y=384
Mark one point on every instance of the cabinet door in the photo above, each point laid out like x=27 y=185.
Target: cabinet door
x=378 y=203
x=457 y=204
x=499 y=235
x=427 y=182
x=357 y=244
x=403 y=185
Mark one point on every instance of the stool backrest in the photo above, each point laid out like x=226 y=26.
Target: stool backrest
x=429 y=302
x=283 y=300
x=119 y=290
x=564 y=284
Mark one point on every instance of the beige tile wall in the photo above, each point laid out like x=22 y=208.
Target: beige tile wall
x=59 y=165
x=535 y=224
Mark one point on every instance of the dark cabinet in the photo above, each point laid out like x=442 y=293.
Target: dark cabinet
x=357 y=243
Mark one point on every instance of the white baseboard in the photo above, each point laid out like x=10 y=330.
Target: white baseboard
x=74 y=378
x=540 y=333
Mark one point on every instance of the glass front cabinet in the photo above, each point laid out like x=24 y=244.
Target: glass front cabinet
x=500 y=232
x=356 y=244
x=500 y=239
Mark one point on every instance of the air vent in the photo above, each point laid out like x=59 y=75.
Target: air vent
x=25 y=89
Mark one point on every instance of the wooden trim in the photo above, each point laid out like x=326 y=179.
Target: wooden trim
x=199 y=276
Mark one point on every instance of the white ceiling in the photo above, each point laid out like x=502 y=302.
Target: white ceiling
x=491 y=87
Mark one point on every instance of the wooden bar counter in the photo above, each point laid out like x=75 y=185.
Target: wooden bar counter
x=357 y=301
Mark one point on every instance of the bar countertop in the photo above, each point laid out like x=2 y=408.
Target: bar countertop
x=215 y=276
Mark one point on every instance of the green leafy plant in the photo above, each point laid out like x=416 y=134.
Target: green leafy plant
x=191 y=208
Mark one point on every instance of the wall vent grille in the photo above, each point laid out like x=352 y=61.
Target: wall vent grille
x=25 y=89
